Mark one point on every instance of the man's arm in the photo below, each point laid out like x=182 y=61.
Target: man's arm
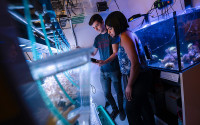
x=94 y=52
x=112 y=57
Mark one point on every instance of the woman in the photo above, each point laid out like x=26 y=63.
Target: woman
x=135 y=74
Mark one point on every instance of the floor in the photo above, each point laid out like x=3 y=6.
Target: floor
x=97 y=97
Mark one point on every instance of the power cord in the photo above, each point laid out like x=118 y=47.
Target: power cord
x=117 y=4
x=166 y=11
x=28 y=56
x=181 y=4
x=93 y=89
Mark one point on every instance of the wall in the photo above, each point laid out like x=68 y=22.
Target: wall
x=85 y=34
x=195 y=3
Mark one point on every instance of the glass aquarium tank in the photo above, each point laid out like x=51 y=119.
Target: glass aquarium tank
x=173 y=44
x=63 y=81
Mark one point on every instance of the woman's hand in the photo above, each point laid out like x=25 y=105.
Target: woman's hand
x=128 y=92
x=101 y=62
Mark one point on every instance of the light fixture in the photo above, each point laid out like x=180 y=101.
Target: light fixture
x=22 y=45
x=136 y=16
x=28 y=47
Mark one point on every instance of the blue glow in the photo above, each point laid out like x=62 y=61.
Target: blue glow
x=45 y=34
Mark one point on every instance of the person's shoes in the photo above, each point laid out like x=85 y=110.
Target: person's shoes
x=107 y=104
x=122 y=115
x=114 y=114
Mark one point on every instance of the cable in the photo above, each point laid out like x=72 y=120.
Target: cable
x=93 y=89
x=151 y=10
x=142 y=23
x=72 y=6
x=42 y=91
x=165 y=11
x=181 y=4
x=117 y=4
x=157 y=14
x=73 y=11
x=28 y=56
x=172 y=8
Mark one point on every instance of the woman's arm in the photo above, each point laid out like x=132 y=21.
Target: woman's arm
x=128 y=43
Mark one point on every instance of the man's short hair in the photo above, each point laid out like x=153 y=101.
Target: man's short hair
x=95 y=17
x=118 y=21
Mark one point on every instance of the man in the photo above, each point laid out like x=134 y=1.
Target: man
x=110 y=72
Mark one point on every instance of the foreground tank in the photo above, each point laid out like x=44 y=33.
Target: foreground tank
x=63 y=81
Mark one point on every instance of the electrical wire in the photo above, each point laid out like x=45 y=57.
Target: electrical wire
x=93 y=89
x=149 y=12
x=181 y=4
x=70 y=6
x=39 y=82
x=28 y=56
x=117 y=4
x=142 y=23
x=167 y=11
x=137 y=26
x=172 y=8
x=50 y=51
x=157 y=14
x=29 y=29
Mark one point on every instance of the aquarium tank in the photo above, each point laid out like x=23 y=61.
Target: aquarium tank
x=63 y=81
x=173 y=44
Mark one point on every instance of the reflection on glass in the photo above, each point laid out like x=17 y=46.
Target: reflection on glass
x=160 y=41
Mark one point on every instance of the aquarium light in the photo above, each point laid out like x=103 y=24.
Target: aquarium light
x=136 y=16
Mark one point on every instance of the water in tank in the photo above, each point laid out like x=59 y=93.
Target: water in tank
x=189 y=36
x=160 y=41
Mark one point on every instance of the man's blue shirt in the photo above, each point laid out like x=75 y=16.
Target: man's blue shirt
x=104 y=44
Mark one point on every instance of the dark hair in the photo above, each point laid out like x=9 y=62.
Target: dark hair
x=95 y=17
x=118 y=21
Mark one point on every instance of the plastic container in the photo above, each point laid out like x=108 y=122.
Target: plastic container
x=63 y=80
